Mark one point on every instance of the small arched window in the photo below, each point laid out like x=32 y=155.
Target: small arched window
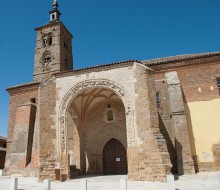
x=47 y=40
x=110 y=115
x=47 y=60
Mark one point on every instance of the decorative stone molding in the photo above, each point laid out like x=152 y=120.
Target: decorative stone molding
x=74 y=91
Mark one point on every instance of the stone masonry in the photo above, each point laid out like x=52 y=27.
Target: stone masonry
x=179 y=124
x=65 y=118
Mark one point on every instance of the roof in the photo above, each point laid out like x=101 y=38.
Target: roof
x=23 y=85
x=179 y=58
x=151 y=62
x=107 y=64
x=3 y=138
x=98 y=66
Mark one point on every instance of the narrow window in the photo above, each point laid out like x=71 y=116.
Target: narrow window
x=47 y=41
x=109 y=115
x=53 y=16
x=158 y=99
x=47 y=60
x=4 y=145
x=50 y=41
x=66 y=64
x=218 y=82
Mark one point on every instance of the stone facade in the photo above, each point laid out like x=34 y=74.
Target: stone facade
x=65 y=118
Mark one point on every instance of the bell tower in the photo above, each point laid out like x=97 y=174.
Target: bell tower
x=53 y=51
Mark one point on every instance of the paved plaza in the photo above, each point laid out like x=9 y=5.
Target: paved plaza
x=200 y=181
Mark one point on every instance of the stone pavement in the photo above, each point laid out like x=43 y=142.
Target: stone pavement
x=200 y=181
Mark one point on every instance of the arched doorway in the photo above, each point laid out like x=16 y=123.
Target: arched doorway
x=95 y=116
x=114 y=158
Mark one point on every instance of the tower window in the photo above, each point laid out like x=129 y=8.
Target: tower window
x=218 y=82
x=47 y=41
x=158 y=100
x=47 y=60
x=53 y=16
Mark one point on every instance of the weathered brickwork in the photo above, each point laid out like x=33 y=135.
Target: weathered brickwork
x=47 y=144
x=198 y=80
x=59 y=52
x=19 y=117
x=148 y=130
x=66 y=118
x=197 y=77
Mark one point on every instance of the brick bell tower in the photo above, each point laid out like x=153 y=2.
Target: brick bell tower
x=53 y=51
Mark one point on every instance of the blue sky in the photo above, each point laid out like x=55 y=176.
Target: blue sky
x=105 y=32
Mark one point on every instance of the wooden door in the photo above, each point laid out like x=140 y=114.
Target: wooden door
x=114 y=158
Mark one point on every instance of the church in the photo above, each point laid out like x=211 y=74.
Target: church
x=143 y=118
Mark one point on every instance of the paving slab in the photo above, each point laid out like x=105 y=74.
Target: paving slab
x=200 y=181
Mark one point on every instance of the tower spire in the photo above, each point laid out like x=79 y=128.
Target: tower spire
x=55 y=13
x=55 y=5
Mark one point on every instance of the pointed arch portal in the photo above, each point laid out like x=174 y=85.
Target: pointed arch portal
x=114 y=158
x=84 y=129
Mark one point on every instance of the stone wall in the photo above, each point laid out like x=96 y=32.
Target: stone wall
x=47 y=130
x=136 y=89
x=183 y=150
x=60 y=51
x=89 y=140
x=153 y=156
x=98 y=132
x=165 y=122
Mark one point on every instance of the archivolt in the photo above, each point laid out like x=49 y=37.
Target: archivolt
x=74 y=91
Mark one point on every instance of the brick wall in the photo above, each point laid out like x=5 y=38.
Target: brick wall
x=197 y=78
x=20 y=96
x=198 y=82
